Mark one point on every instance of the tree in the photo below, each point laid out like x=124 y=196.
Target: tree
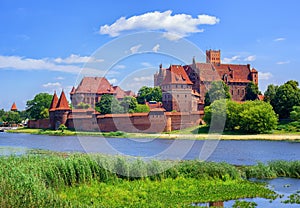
x=11 y=117
x=129 y=104
x=83 y=105
x=252 y=91
x=35 y=107
x=109 y=105
x=270 y=93
x=142 y=108
x=295 y=114
x=217 y=91
x=149 y=94
x=287 y=96
x=257 y=117
x=62 y=128
x=249 y=117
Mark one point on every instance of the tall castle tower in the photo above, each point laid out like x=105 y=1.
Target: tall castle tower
x=213 y=57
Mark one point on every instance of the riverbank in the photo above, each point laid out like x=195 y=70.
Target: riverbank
x=185 y=134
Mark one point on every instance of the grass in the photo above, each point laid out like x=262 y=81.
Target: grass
x=47 y=179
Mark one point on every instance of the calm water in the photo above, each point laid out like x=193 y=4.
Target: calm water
x=233 y=152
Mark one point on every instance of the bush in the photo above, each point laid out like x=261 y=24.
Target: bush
x=248 y=117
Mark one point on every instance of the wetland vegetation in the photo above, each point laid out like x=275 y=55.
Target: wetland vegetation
x=47 y=179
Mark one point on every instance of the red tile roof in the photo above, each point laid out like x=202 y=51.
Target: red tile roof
x=53 y=102
x=120 y=93
x=14 y=107
x=97 y=85
x=62 y=103
x=176 y=74
x=212 y=72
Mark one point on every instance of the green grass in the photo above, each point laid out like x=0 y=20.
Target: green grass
x=47 y=179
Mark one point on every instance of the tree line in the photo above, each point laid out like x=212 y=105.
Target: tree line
x=253 y=115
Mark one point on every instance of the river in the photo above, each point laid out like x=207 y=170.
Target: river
x=237 y=152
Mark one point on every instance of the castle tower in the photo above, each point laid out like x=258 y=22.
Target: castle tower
x=14 y=107
x=254 y=76
x=59 y=114
x=52 y=109
x=213 y=56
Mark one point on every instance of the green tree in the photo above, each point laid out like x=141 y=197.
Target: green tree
x=11 y=117
x=257 y=117
x=252 y=91
x=83 y=105
x=217 y=91
x=270 y=93
x=2 y=112
x=249 y=117
x=287 y=96
x=62 y=128
x=295 y=114
x=215 y=115
x=149 y=94
x=129 y=104
x=109 y=105
x=142 y=108
x=35 y=107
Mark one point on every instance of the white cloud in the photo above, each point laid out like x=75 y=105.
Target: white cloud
x=52 y=85
x=230 y=60
x=250 y=58
x=179 y=24
x=156 y=48
x=283 y=62
x=142 y=79
x=279 y=39
x=264 y=75
x=135 y=49
x=77 y=59
x=146 y=64
x=119 y=67
x=22 y=63
x=113 y=81
x=60 y=78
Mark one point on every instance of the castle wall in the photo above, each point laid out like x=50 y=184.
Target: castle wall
x=39 y=124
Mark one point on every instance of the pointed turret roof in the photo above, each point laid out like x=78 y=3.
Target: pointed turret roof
x=53 y=102
x=73 y=91
x=62 y=103
x=14 y=107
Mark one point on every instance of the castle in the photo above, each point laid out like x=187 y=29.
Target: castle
x=184 y=87
x=183 y=92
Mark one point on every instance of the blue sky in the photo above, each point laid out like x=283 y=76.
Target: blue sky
x=49 y=45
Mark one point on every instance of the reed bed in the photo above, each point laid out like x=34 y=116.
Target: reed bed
x=38 y=180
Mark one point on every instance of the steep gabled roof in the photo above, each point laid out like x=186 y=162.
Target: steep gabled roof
x=73 y=91
x=14 y=107
x=53 y=102
x=62 y=103
x=97 y=85
x=176 y=74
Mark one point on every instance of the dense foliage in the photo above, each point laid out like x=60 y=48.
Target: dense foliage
x=252 y=91
x=149 y=94
x=284 y=97
x=81 y=180
x=248 y=117
x=37 y=106
x=295 y=114
x=110 y=105
x=218 y=90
